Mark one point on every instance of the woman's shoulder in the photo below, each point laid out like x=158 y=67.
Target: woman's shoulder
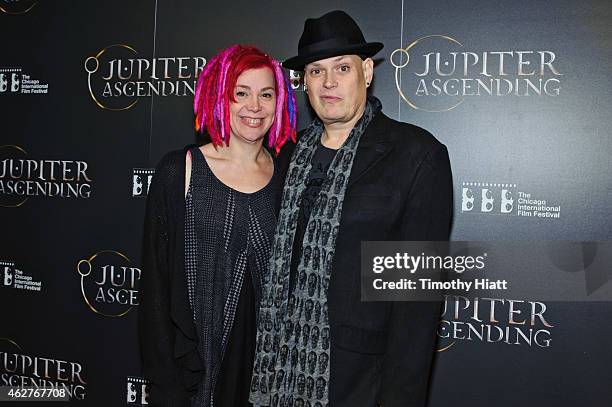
x=171 y=167
x=170 y=159
x=173 y=161
x=169 y=164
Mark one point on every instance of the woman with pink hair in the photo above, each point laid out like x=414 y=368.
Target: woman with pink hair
x=208 y=231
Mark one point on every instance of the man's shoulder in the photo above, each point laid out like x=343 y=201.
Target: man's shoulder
x=407 y=135
x=411 y=143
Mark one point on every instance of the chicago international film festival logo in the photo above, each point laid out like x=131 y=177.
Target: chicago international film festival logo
x=109 y=283
x=117 y=77
x=436 y=73
x=141 y=181
x=137 y=391
x=16 y=6
x=12 y=277
x=22 y=177
x=506 y=199
x=8 y=273
x=296 y=80
x=14 y=81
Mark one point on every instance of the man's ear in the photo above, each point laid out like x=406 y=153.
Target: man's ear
x=368 y=70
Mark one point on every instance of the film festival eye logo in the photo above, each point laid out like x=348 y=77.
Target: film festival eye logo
x=22 y=178
x=296 y=80
x=505 y=199
x=9 y=272
x=16 y=6
x=436 y=73
x=20 y=369
x=109 y=283
x=493 y=320
x=117 y=77
x=141 y=181
x=137 y=391
x=10 y=80
x=488 y=197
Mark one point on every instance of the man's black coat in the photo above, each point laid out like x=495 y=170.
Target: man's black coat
x=400 y=188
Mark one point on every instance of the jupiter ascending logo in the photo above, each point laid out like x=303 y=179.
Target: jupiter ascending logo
x=109 y=283
x=22 y=177
x=118 y=77
x=436 y=73
x=493 y=320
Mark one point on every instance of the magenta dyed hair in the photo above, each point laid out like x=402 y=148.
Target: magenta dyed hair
x=215 y=89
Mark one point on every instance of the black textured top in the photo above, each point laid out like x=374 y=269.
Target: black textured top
x=169 y=339
x=228 y=236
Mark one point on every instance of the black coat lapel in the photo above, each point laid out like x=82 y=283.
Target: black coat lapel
x=373 y=146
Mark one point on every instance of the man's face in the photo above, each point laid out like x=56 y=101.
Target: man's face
x=337 y=87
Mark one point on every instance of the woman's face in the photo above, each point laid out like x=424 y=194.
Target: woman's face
x=252 y=114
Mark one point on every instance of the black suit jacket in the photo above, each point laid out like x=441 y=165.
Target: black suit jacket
x=400 y=188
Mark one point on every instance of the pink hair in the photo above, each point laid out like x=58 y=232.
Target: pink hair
x=215 y=91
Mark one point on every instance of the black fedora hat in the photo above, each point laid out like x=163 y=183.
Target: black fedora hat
x=332 y=34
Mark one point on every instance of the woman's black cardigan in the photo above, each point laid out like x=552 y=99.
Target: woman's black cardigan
x=168 y=339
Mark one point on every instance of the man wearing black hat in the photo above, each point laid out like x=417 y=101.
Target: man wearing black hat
x=354 y=175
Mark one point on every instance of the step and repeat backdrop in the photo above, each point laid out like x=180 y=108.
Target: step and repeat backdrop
x=93 y=93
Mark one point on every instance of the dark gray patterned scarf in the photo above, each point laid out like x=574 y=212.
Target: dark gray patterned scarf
x=292 y=357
